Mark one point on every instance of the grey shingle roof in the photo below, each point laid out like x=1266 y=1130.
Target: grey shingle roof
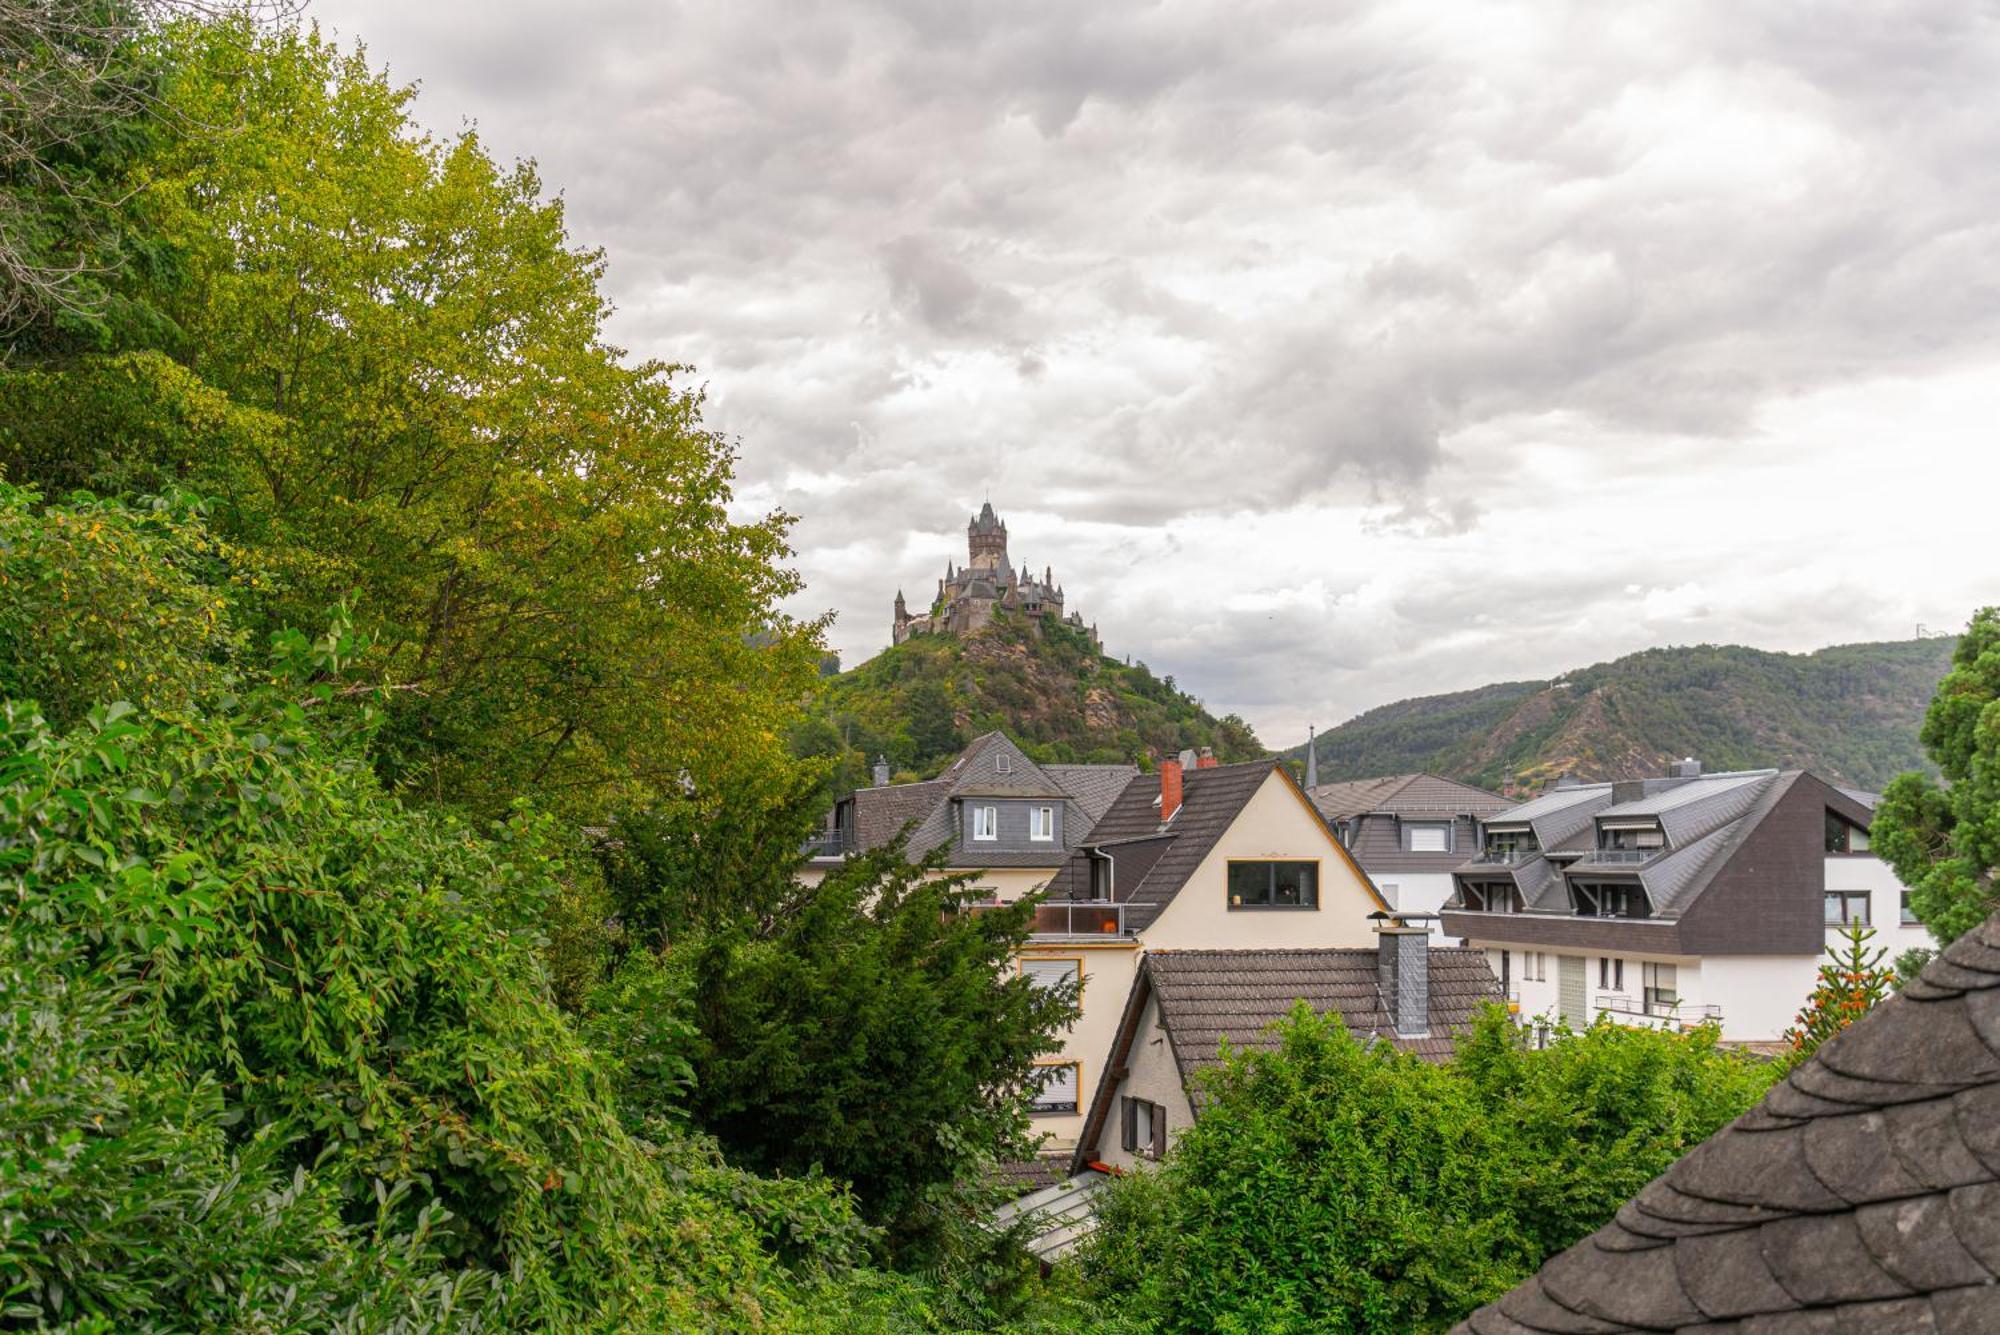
x=1405 y=795
x=1149 y=875
x=1092 y=789
x=976 y=772
x=1207 y=997
x=1861 y=1194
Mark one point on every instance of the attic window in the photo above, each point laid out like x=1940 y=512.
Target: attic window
x=1427 y=837
x=1003 y=763
x=1273 y=885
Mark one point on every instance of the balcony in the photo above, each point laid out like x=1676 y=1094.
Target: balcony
x=1095 y=919
x=835 y=843
x=1624 y=855
x=1505 y=857
x=1681 y=1014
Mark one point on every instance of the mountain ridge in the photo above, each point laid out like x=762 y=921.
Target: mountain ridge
x=1850 y=712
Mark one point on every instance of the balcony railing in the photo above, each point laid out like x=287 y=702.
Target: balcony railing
x=1506 y=857
x=835 y=843
x=1091 y=918
x=1624 y=854
x=1682 y=1013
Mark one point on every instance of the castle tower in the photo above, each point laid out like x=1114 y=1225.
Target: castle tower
x=986 y=540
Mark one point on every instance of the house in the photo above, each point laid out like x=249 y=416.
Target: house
x=1200 y=856
x=1861 y=1194
x=1185 y=1004
x=1678 y=899
x=1409 y=832
x=1013 y=822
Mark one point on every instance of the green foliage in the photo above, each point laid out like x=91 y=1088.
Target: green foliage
x=1043 y=683
x=1850 y=982
x=391 y=380
x=1944 y=841
x=1330 y=1185
x=1848 y=712
x=875 y=1029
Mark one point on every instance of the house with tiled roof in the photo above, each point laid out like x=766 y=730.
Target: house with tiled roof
x=994 y=811
x=1199 y=856
x=1186 y=1004
x=1862 y=1194
x=1678 y=899
x=1409 y=832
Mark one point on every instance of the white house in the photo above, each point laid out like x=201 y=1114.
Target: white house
x=1409 y=832
x=1676 y=900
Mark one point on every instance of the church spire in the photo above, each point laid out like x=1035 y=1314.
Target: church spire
x=1312 y=759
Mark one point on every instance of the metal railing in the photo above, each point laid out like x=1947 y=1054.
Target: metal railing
x=1623 y=854
x=835 y=843
x=1679 y=1012
x=1505 y=857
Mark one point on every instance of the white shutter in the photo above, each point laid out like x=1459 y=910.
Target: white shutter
x=1049 y=973
x=1430 y=838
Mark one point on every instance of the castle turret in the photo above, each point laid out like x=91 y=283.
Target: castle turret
x=986 y=539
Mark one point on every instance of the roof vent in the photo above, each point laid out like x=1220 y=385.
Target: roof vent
x=1689 y=768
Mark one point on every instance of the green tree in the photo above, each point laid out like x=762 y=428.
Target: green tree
x=389 y=375
x=1944 y=840
x=874 y=1028
x=1850 y=983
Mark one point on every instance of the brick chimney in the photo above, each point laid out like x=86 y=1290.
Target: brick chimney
x=1207 y=760
x=1170 y=789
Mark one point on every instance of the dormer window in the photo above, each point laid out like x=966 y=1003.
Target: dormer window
x=1842 y=837
x=986 y=823
x=1610 y=901
x=1042 y=824
x=1427 y=836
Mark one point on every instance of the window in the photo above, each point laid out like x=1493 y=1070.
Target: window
x=1274 y=885
x=1604 y=972
x=1052 y=973
x=1910 y=918
x=1390 y=891
x=1844 y=838
x=1427 y=837
x=1610 y=974
x=1003 y=763
x=1618 y=975
x=1100 y=877
x=1059 y=1082
x=1846 y=906
x=1042 y=823
x=1662 y=987
x=1143 y=1129
x=986 y=822
x=1506 y=968
x=1534 y=966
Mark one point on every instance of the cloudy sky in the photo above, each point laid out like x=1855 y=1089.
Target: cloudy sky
x=1331 y=353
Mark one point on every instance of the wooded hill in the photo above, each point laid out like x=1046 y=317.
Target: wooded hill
x=1850 y=712
x=919 y=702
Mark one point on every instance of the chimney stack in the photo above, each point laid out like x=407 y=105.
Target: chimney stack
x=1403 y=973
x=1170 y=789
x=1684 y=769
x=881 y=771
x=1206 y=760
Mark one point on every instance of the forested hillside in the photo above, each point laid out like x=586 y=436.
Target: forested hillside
x=1851 y=712
x=918 y=702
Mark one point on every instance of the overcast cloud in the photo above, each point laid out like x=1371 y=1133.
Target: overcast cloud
x=1331 y=354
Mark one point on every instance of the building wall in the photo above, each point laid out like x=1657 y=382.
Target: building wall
x=1008 y=884
x=1416 y=892
x=1864 y=871
x=1153 y=1074
x=1275 y=823
x=1108 y=972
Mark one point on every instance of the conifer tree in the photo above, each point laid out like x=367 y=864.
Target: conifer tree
x=1850 y=983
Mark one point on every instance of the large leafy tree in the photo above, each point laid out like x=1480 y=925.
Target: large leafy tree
x=389 y=374
x=1944 y=839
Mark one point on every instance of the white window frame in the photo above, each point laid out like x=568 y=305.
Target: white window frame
x=1003 y=763
x=1412 y=828
x=1035 y=1109
x=986 y=819
x=1042 y=824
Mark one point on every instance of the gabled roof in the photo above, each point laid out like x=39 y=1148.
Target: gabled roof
x=1085 y=790
x=1209 y=997
x=1405 y=795
x=1154 y=860
x=1861 y=1194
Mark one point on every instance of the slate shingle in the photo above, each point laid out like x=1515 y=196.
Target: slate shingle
x=1862 y=1194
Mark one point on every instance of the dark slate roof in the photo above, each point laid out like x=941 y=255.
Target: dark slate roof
x=1208 y=997
x=1092 y=789
x=1862 y=1193
x=976 y=772
x=1153 y=861
x=881 y=813
x=1405 y=795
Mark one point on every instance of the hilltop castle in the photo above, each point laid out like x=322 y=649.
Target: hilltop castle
x=966 y=597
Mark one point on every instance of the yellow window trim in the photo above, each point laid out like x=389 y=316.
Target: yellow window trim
x=1080 y=1109
x=1082 y=976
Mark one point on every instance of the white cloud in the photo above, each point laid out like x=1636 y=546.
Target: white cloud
x=1331 y=355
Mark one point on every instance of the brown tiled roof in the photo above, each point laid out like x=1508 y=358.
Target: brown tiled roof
x=1862 y=1193
x=1405 y=795
x=1210 y=801
x=1208 y=997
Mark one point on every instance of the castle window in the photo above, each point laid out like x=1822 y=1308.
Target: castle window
x=1042 y=823
x=986 y=822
